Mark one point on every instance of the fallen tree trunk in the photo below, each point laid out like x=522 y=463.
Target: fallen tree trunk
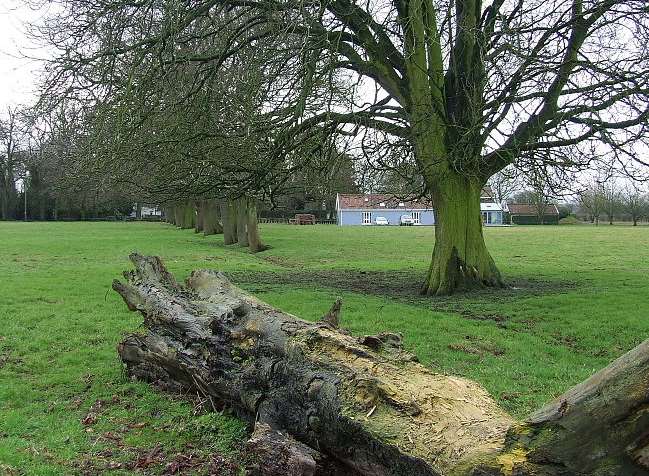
x=366 y=401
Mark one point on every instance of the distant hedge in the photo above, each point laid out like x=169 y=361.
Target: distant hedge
x=287 y=214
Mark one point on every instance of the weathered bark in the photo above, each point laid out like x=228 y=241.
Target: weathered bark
x=229 y=219
x=211 y=216
x=365 y=401
x=460 y=260
x=242 y=221
x=274 y=453
x=254 y=240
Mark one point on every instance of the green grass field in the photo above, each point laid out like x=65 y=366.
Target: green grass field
x=578 y=299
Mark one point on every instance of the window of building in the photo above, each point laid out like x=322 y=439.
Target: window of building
x=367 y=218
x=416 y=217
x=486 y=218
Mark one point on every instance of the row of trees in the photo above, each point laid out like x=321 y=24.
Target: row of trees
x=235 y=219
x=35 y=182
x=604 y=195
x=615 y=202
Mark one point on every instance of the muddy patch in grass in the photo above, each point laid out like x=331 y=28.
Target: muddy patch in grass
x=404 y=286
x=283 y=261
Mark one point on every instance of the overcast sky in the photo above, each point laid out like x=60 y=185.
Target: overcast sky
x=18 y=73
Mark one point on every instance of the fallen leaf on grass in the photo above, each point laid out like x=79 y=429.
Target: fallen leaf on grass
x=89 y=419
x=150 y=458
x=114 y=465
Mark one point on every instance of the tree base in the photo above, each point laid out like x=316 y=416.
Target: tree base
x=451 y=274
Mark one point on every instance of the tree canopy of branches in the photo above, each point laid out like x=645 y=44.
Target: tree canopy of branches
x=463 y=88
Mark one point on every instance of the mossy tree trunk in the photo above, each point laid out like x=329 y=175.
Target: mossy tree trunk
x=199 y=206
x=254 y=240
x=187 y=215
x=178 y=214
x=229 y=220
x=211 y=218
x=460 y=260
x=242 y=221
x=365 y=401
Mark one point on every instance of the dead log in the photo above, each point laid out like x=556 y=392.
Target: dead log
x=365 y=401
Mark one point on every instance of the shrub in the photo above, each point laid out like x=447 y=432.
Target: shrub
x=570 y=220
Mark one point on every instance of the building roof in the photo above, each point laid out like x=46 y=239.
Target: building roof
x=526 y=209
x=373 y=201
x=381 y=201
x=486 y=192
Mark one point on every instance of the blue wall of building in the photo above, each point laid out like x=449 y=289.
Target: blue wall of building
x=355 y=217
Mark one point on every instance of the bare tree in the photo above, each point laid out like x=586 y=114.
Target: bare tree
x=592 y=201
x=635 y=202
x=11 y=136
x=504 y=184
x=611 y=194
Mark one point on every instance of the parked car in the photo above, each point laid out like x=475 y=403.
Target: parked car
x=406 y=220
x=381 y=221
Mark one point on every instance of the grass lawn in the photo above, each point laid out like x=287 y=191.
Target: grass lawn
x=578 y=300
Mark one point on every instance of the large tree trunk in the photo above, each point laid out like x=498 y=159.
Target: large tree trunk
x=229 y=219
x=187 y=215
x=461 y=260
x=242 y=221
x=211 y=216
x=366 y=401
x=178 y=214
x=170 y=215
x=199 y=205
x=254 y=240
